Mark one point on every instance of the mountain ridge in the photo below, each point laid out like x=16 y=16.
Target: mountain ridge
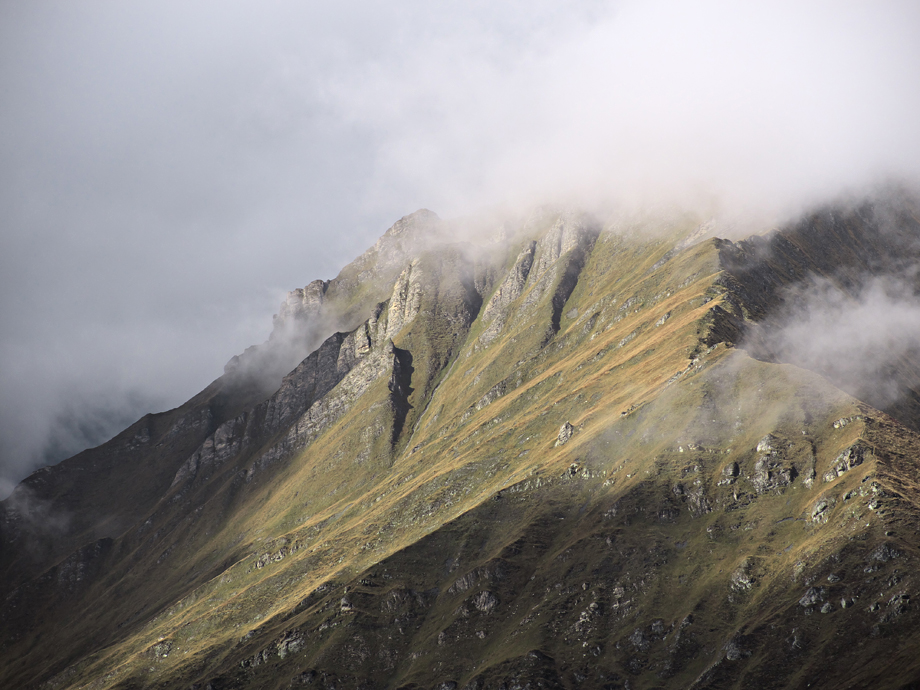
x=567 y=375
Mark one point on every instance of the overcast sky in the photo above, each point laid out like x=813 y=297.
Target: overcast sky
x=169 y=169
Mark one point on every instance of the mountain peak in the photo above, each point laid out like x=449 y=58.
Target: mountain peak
x=569 y=458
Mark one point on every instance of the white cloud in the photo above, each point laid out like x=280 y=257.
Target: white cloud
x=863 y=341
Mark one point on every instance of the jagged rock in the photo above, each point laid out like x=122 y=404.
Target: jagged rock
x=694 y=496
x=729 y=474
x=842 y=422
x=571 y=231
x=821 y=509
x=565 y=433
x=883 y=553
x=328 y=409
x=406 y=299
x=410 y=532
x=487 y=573
x=770 y=474
x=571 y=471
x=161 y=649
x=401 y=600
x=412 y=233
x=485 y=601
x=290 y=643
x=812 y=596
x=343 y=361
x=512 y=286
x=639 y=640
x=847 y=460
x=769 y=444
x=560 y=257
x=808 y=475
x=497 y=391
x=301 y=304
x=898 y=605
x=769 y=471
x=628 y=339
x=497 y=310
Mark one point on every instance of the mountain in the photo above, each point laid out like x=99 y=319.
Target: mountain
x=566 y=453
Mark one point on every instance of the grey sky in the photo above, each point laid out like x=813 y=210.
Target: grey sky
x=169 y=169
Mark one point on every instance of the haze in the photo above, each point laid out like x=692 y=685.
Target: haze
x=169 y=170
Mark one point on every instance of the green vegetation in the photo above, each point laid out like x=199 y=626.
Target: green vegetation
x=429 y=527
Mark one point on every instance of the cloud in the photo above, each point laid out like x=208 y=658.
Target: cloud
x=26 y=515
x=170 y=169
x=864 y=340
x=763 y=106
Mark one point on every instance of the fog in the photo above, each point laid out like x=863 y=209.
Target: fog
x=866 y=341
x=169 y=170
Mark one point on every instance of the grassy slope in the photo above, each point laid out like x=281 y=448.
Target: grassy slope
x=349 y=554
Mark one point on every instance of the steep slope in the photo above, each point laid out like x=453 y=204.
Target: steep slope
x=540 y=462
x=76 y=496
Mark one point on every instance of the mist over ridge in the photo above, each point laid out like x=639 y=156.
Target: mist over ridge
x=171 y=171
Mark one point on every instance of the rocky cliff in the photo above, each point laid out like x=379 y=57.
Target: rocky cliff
x=561 y=458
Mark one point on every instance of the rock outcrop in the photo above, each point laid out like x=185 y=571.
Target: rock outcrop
x=558 y=459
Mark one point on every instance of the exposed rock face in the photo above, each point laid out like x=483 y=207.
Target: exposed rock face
x=565 y=433
x=406 y=299
x=560 y=257
x=302 y=304
x=485 y=601
x=540 y=463
x=512 y=286
x=769 y=472
x=821 y=510
x=847 y=460
x=497 y=310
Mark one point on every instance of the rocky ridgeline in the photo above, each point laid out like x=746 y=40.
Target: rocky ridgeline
x=458 y=466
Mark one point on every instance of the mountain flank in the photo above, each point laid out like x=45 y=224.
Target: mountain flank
x=563 y=455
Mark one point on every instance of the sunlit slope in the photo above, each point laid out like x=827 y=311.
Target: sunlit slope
x=538 y=462
x=644 y=555
x=73 y=503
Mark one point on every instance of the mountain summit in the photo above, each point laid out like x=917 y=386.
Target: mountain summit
x=566 y=454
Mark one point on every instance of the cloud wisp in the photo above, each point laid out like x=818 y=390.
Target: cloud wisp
x=866 y=341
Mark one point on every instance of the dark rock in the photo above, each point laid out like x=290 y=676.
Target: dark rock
x=639 y=640
x=883 y=553
x=812 y=596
